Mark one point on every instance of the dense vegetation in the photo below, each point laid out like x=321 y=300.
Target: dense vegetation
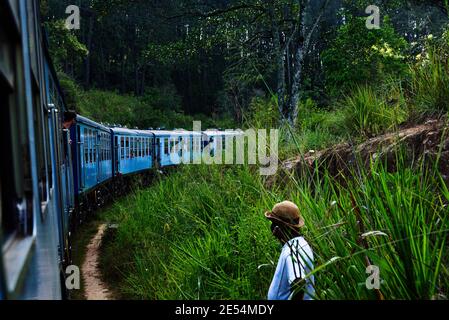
x=311 y=69
x=216 y=57
x=182 y=239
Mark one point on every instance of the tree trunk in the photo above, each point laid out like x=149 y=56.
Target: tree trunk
x=301 y=51
x=280 y=66
x=89 y=48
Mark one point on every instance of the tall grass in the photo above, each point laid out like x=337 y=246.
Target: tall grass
x=430 y=80
x=369 y=113
x=200 y=234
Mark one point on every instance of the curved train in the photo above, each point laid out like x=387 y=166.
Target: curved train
x=52 y=177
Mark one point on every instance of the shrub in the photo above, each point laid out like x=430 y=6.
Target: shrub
x=368 y=113
x=430 y=76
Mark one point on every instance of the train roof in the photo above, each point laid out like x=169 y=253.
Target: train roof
x=91 y=123
x=167 y=133
x=125 y=131
x=211 y=133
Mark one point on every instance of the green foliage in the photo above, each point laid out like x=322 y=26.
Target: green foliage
x=429 y=79
x=187 y=242
x=200 y=233
x=404 y=215
x=70 y=89
x=65 y=45
x=263 y=113
x=368 y=113
x=158 y=108
x=362 y=56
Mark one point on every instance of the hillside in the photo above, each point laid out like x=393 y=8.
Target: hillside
x=429 y=141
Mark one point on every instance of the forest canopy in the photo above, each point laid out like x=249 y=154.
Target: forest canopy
x=215 y=57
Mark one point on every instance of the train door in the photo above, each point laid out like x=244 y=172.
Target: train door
x=97 y=145
x=192 y=151
x=157 y=151
x=116 y=155
x=80 y=157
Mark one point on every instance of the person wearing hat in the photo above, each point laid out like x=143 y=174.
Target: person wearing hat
x=296 y=259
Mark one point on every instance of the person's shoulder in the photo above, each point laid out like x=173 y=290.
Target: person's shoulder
x=298 y=243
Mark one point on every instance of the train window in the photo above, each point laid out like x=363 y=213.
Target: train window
x=166 y=147
x=103 y=147
x=100 y=147
x=86 y=146
x=16 y=194
x=94 y=146
x=135 y=147
x=127 y=147
x=122 y=148
x=139 y=147
x=48 y=138
x=38 y=118
x=91 y=146
x=170 y=149
x=198 y=144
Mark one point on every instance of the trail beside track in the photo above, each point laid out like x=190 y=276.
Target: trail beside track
x=95 y=288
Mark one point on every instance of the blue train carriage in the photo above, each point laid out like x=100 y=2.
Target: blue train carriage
x=134 y=150
x=212 y=141
x=33 y=206
x=187 y=146
x=92 y=164
x=164 y=143
x=219 y=141
x=176 y=147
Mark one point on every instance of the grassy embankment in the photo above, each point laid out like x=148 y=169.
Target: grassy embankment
x=200 y=232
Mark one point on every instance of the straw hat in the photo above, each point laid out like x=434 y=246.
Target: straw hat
x=286 y=213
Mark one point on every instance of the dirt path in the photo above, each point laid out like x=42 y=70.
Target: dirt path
x=95 y=288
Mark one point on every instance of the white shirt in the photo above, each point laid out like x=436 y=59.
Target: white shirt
x=295 y=262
